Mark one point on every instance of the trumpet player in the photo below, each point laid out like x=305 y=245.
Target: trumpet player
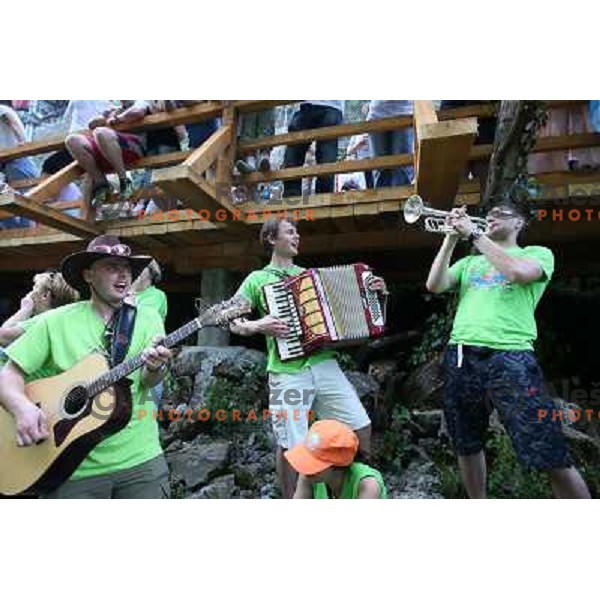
x=489 y=362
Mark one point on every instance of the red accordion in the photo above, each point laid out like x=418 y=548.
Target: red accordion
x=329 y=307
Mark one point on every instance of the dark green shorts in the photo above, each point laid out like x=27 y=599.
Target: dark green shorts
x=148 y=480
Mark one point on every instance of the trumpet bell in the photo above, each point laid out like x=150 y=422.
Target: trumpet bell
x=413 y=208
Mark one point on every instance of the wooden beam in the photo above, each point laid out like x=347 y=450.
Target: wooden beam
x=204 y=156
x=52 y=185
x=443 y=150
x=325 y=133
x=24 y=206
x=424 y=113
x=225 y=165
x=346 y=166
x=185 y=184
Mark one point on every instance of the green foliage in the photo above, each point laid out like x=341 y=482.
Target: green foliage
x=397 y=440
x=178 y=489
x=227 y=395
x=507 y=478
x=591 y=475
x=436 y=333
x=347 y=362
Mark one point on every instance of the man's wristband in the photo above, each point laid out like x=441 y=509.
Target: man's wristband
x=475 y=234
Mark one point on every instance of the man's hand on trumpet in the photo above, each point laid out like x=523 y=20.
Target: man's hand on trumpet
x=460 y=220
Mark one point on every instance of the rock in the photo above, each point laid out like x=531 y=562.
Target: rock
x=422 y=389
x=585 y=448
x=419 y=481
x=381 y=370
x=195 y=463
x=204 y=363
x=366 y=387
x=426 y=423
x=219 y=489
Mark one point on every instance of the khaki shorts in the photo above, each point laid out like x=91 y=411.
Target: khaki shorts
x=150 y=480
x=321 y=391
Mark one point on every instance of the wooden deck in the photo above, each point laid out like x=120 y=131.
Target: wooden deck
x=211 y=231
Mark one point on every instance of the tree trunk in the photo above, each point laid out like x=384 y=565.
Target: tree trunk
x=518 y=122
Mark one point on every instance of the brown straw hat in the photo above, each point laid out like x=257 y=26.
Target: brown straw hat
x=103 y=246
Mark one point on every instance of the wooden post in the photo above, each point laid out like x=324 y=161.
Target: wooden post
x=225 y=163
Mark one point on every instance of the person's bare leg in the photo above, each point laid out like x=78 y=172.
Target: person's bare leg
x=286 y=476
x=89 y=211
x=474 y=472
x=111 y=150
x=364 y=441
x=568 y=483
x=80 y=149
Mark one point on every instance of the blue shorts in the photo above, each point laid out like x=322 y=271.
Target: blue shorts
x=511 y=382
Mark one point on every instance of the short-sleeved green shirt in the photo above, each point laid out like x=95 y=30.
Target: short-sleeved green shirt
x=58 y=340
x=24 y=325
x=252 y=290
x=356 y=473
x=494 y=312
x=154 y=298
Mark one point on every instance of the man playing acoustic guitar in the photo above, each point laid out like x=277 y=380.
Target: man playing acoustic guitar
x=129 y=463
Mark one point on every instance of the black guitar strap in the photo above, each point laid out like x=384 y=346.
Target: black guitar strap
x=124 y=320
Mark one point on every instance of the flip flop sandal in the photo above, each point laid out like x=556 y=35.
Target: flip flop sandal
x=101 y=194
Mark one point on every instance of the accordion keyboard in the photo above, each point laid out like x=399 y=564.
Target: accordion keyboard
x=281 y=306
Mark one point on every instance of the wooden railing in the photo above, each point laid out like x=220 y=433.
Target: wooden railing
x=192 y=175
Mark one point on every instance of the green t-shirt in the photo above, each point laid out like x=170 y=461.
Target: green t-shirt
x=494 y=312
x=24 y=325
x=252 y=290
x=356 y=473
x=61 y=338
x=154 y=298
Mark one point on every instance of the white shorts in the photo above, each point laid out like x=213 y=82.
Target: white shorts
x=321 y=391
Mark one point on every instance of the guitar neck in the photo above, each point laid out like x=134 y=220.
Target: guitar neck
x=117 y=373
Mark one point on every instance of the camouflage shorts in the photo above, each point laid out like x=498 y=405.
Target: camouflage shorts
x=512 y=383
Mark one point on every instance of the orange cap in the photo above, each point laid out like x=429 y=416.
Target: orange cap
x=328 y=444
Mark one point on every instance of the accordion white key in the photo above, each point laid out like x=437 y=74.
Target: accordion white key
x=329 y=307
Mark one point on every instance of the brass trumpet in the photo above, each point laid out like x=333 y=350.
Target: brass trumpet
x=434 y=220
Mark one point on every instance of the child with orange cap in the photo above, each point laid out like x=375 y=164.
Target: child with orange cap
x=325 y=462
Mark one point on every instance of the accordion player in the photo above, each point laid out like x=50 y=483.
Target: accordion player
x=328 y=307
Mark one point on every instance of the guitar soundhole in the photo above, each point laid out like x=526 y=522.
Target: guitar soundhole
x=76 y=400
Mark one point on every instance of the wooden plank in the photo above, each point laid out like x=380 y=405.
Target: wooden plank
x=23 y=206
x=245 y=106
x=185 y=184
x=342 y=217
x=35 y=236
x=325 y=133
x=350 y=129
x=204 y=156
x=52 y=185
x=346 y=166
x=443 y=155
x=424 y=113
x=224 y=174
x=22 y=184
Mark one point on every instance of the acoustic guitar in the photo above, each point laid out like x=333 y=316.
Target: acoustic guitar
x=83 y=406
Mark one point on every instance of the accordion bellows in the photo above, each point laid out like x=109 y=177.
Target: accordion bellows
x=329 y=307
